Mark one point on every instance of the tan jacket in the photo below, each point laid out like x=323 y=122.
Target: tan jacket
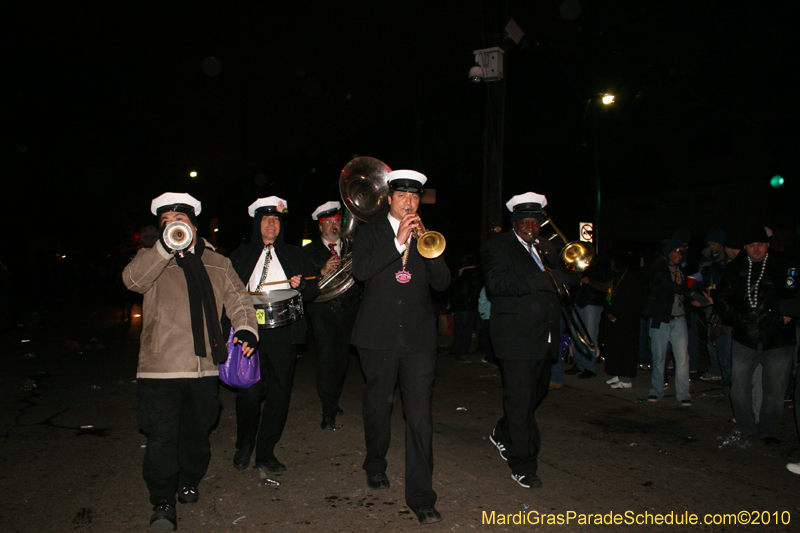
x=166 y=344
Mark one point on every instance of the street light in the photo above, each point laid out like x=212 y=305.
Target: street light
x=606 y=99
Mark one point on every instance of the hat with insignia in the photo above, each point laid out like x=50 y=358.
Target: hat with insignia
x=271 y=205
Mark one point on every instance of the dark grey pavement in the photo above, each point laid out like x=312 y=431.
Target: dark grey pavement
x=70 y=452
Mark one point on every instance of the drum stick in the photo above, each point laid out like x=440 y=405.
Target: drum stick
x=284 y=281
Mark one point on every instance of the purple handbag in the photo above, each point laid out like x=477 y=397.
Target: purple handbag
x=239 y=371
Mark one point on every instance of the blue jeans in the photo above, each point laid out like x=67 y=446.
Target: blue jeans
x=724 y=346
x=584 y=358
x=645 y=355
x=776 y=367
x=673 y=332
x=693 y=343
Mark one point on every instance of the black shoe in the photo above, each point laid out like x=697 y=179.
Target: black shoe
x=574 y=371
x=164 y=518
x=772 y=441
x=272 y=465
x=241 y=458
x=529 y=482
x=329 y=423
x=427 y=514
x=586 y=374
x=499 y=445
x=377 y=480
x=188 y=495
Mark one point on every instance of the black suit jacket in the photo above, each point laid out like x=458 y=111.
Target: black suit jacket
x=525 y=307
x=389 y=306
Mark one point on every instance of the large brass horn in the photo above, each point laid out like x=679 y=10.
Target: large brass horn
x=575 y=256
x=364 y=191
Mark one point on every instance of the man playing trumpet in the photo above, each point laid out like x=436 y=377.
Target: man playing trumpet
x=395 y=333
x=181 y=346
x=332 y=320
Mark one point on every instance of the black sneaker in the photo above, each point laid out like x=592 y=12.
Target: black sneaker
x=574 y=371
x=377 y=480
x=529 y=482
x=241 y=459
x=652 y=398
x=427 y=515
x=188 y=495
x=499 y=445
x=164 y=518
x=686 y=403
x=272 y=465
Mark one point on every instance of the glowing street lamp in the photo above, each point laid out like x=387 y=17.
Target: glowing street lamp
x=608 y=99
x=193 y=174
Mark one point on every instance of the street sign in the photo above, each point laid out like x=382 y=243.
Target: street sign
x=586 y=231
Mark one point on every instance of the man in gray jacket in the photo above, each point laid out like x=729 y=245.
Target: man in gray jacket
x=182 y=345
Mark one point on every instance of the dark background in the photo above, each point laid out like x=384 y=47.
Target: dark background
x=111 y=104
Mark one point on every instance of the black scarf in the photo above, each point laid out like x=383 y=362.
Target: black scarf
x=202 y=302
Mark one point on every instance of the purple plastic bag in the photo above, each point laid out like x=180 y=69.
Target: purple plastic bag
x=239 y=371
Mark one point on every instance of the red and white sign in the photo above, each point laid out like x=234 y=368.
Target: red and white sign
x=586 y=231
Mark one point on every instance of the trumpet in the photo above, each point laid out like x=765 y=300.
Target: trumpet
x=430 y=244
x=178 y=236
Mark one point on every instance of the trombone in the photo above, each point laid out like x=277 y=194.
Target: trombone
x=575 y=257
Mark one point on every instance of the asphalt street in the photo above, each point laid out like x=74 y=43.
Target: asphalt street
x=70 y=452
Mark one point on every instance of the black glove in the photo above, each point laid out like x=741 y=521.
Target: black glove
x=247 y=336
x=164 y=244
x=302 y=284
x=541 y=282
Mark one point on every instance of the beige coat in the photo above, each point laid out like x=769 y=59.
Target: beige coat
x=166 y=344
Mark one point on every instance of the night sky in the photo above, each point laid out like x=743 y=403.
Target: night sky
x=113 y=104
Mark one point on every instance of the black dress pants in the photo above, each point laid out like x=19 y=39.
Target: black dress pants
x=176 y=415
x=262 y=427
x=414 y=372
x=333 y=326
x=525 y=385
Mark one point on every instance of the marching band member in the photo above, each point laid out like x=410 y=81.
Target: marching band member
x=395 y=332
x=333 y=319
x=181 y=345
x=265 y=259
x=525 y=330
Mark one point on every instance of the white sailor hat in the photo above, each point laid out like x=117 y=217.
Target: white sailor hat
x=529 y=204
x=406 y=180
x=328 y=209
x=271 y=205
x=175 y=201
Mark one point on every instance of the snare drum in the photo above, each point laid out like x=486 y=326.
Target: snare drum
x=277 y=308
